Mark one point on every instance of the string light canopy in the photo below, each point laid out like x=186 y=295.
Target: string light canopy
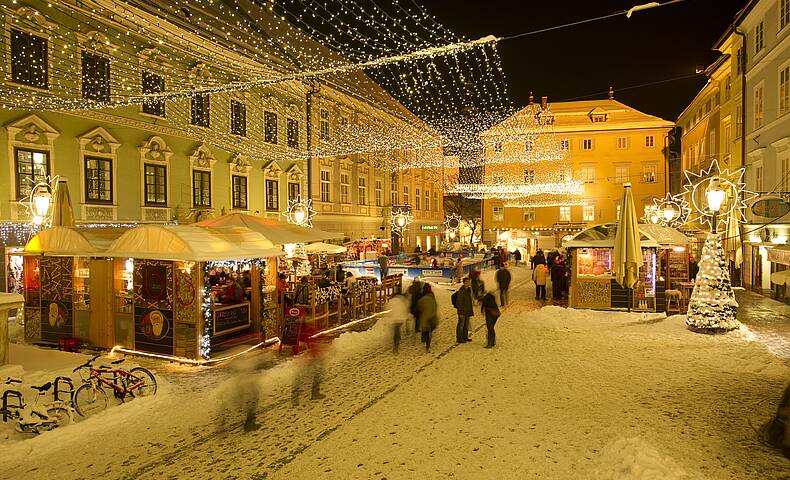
x=300 y=211
x=669 y=211
x=400 y=219
x=734 y=197
x=549 y=200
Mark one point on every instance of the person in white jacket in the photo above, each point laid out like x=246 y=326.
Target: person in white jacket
x=398 y=318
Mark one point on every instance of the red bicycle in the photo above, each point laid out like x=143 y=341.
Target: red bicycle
x=91 y=398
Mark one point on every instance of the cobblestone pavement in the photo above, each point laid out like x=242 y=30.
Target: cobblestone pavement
x=768 y=319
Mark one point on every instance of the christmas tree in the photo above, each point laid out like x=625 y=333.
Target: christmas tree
x=712 y=305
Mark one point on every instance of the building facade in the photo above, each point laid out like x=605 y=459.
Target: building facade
x=607 y=144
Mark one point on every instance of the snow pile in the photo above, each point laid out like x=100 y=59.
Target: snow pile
x=633 y=459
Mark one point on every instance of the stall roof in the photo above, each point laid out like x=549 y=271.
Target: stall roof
x=322 y=247
x=191 y=243
x=73 y=241
x=279 y=233
x=651 y=236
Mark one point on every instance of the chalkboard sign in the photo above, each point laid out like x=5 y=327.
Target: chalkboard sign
x=290 y=331
x=231 y=318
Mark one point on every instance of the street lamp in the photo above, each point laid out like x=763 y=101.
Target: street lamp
x=40 y=202
x=299 y=215
x=669 y=213
x=715 y=194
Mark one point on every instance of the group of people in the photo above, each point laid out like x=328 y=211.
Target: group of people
x=550 y=266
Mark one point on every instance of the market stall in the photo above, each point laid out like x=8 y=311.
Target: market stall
x=592 y=284
x=445 y=269
x=368 y=249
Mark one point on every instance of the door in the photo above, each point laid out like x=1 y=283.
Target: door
x=102 y=331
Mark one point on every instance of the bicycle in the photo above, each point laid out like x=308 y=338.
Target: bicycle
x=35 y=419
x=91 y=398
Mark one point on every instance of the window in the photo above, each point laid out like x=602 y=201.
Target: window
x=529 y=145
x=345 y=189
x=587 y=144
x=32 y=167
x=155 y=184
x=201 y=110
x=324 y=124
x=622 y=143
x=529 y=176
x=712 y=146
x=435 y=201
x=727 y=138
x=98 y=180
x=239 y=192
x=598 y=117
x=784 y=90
x=272 y=195
x=29 y=59
x=648 y=173
x=344 y=123
x=362 y=190
x=379 y=193
x=727 y=87
x=529 y=214
x=201 y=188
x=417 y=198
x=498 y=214
x=293 y=133
x=758 y=178
x=739 y=61
x=405 y=194
x=427 y=201
x=95 y=77
x=738 y=121
x=587 y=174
x=588 y=212
x=621 y=173
x=394 y=190
x=270 y=127
x=565 y=144
x=294 y=191
x=565 y=214
x=784 y=13
x=325 y=185
x=153 y=83
x=238 y=118
x=758 y=106
x=650 y=141
x=759 y=41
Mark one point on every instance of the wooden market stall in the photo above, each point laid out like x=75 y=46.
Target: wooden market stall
x=592 y=284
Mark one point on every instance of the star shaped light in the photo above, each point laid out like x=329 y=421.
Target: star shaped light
x=300 y=212
x=670 y=211
x=732 y=182
x=400 y=220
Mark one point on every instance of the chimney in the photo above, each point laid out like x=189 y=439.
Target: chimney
x=544 y=101
x=531 y=98
x=611 y=93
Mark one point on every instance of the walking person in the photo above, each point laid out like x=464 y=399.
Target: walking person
x=459 y=269
x=489 y=308
x=462 y=301
x=383 y=265
x=517 y=256
x=398 y=317
x=415 y=293
x=539 y=276
x=557 y=275
x=503 y=280
x=427 y=312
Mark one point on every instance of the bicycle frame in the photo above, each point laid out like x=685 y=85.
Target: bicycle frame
x=122 y=390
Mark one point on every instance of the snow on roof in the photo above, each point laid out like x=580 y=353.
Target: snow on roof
x=603 y=236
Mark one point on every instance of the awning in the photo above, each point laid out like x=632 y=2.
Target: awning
x=279 y=233
x=322 y=247
x=73 y=241
x=191 y=243
x=780 y=255
x=781 y=278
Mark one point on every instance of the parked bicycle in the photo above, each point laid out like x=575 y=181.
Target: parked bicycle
x=91 y=397
x=36 y=418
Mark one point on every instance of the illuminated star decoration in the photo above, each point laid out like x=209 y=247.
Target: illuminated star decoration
x=732 y=182
x=37 y=219
x=452 y=222
x=300 y=212
x=670 y=211
x=400 y=220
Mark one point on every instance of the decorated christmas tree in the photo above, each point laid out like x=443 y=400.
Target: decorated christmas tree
x=712 y=305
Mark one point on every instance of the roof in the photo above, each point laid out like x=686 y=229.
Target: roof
x=575 y=116
x=72 y=241
x=191 y=243
x=278 y=233
x=603 y=236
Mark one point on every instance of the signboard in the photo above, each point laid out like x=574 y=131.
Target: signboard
x=295 y=312
x=779 y=255
x=431 y=273
x=398 y=271
x=290 y=330
x=231 y=318
x=153 y=330
x=429 y=227
x=770 y=207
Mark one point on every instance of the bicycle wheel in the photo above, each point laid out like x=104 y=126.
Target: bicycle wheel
x=89 y=399
x=60 y=415
x=149 y=387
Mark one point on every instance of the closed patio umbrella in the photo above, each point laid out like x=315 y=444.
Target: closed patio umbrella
x=733 y=243
x=627 y=255
x=62 y=213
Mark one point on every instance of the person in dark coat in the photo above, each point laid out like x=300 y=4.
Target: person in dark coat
x=538 y=258
x=415 y=292
x=478 y=288
x=557 y=277
x=503 y=280
x=489 y=308
x=340 y=275
x=427 y=315
x=464 y=305
x=383 y=265
x=517 y=256
x=550 y=257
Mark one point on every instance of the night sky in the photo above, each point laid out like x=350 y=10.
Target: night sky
x=582 y=61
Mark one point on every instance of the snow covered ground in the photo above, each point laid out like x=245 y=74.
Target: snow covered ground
x=565 y=394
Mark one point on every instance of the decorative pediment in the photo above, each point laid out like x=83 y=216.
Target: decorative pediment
x=272 y=170
x=96 y=41
x=155 y=150
x=756 y=155
x=32 y=129
x=202 y=158
x=99 y=141
x=295 y=173
x=781 y=145
x=200 y=72
x=345 y=163
x=30 y=17
x=152 y=57
x=240 y=164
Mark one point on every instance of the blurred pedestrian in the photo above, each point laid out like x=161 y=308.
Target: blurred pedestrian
x=557 y=278
x=539 y=276
x=503 y=280
x=415 y=293
x=478 y=287
x=459 y=269
x=313 y=367
x=383 y=265
x=462 y=301
x=517 y=256
x=538 y=258
x=398 y=317
x=489 y=308
x=428 y=315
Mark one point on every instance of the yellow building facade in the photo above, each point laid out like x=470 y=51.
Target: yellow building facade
x=607 y=144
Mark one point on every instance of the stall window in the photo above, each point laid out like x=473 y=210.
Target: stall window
x=238 y=118
x=270 y=127
x=594 y=261
x=201 y=188
x=200 y=110
x=29 y=59
x=153 y=83
x=325 y=186
x=272 y=195
x=95 y=77
x=363 y=191
x=498 y=214
x=155 y=184
x=239 y=192
x=98 y=180
x=379 y=193
x=345 y=189
x=294 y=191
x=293 y=133
x=32 y=167
x=565 y=214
